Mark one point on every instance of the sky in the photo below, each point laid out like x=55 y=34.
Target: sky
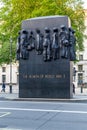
x=85 y=3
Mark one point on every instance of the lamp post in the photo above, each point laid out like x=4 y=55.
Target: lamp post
x=10 y=65
x=82 y=84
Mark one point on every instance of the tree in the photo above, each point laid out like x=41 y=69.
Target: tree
x=13 y=12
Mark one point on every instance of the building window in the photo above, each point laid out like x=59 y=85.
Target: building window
x=80 y=78
x=3 y=69
x=80 y=57
x=3 y=78
x=80 y=68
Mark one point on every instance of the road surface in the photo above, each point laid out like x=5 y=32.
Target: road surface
x=29 y=115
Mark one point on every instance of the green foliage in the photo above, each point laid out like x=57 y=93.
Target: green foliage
x=14 y=11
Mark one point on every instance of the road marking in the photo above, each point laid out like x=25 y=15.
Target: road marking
x=44 y=110
x=4 y=114
x=9 y=129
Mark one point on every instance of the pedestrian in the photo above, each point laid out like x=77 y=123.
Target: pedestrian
x=73 y=88
x=3 y=87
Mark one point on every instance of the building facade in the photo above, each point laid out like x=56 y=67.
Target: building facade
x=10 y=75
x=81 y=65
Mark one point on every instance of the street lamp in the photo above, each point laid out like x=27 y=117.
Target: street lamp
x=10 y=65
x=82 y=82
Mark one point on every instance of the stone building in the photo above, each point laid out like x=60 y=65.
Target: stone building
x=81 y=66
x=10 y=75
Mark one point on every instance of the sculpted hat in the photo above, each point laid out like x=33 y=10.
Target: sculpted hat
x=47 y=29
x=55 y=29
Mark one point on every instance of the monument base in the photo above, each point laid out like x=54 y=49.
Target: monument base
x=39 y=79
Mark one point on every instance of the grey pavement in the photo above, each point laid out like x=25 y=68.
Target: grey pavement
x=78 y=96
x=8 y=95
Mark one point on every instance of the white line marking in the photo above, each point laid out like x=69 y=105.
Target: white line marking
x=4 y=114
x=9 y=129
x=44 y=110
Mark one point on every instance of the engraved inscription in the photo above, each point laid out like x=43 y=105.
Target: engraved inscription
x=49 y=76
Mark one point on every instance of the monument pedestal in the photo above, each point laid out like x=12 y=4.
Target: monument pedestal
x=39 y=79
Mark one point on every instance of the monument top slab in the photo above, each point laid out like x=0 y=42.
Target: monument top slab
x=49 y=21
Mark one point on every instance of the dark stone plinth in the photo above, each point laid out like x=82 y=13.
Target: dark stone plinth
x=39 y=79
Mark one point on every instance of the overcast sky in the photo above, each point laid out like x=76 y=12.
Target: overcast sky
x=85 y=3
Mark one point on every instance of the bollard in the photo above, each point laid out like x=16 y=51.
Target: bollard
x=81 y=89
x=10 y=88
